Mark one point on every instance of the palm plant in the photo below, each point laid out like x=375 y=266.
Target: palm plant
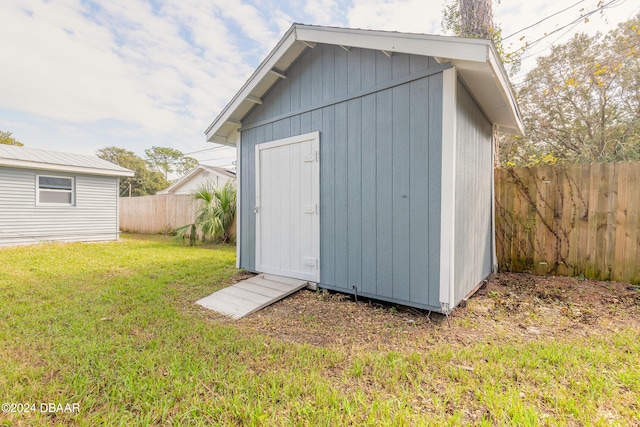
x=215 y=216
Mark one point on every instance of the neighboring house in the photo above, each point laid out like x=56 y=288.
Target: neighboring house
x=365 y=162
x=52 y=196
x=197 y=176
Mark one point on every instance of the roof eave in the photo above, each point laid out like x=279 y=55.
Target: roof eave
x=489 y=84
x=193 y=173
x=180 y=181
x=23 y=164
x=468 y=55
x=226 y=123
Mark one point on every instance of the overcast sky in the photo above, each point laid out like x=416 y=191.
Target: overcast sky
x=80 y=75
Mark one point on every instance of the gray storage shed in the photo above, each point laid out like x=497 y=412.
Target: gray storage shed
x=365 y=162
x=52 y=196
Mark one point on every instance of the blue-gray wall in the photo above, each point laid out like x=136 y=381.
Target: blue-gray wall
x=473 y=214
x=380 y=123
x=93 y=218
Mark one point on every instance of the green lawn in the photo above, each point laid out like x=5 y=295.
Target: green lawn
x=112 y=328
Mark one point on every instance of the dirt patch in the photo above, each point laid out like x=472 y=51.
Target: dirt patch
x=511 y=306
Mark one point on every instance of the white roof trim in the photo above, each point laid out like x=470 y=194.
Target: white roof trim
x=197 y=171
x=476 y=61
x=30 y=158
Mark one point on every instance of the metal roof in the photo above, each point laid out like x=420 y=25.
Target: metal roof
x=31 y=158
x=476 y=61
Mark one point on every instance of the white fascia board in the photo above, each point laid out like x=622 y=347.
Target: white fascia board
x=417 y=44
x=239 y=196
x=502 y=80
x=476 y=55
x=265 y=68
x=490 y=87
x=25 y=164
x=448 y=183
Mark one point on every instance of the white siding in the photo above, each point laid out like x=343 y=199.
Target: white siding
x=190 y=185
x=94 y=216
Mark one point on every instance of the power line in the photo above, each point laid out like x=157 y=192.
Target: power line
x=207 y=149
x=542 y=50
x=522 y=77
x=219 y=158
x=542 y=20
x=637 y=9
x=572 y=23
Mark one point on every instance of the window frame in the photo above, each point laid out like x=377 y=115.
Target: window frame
x=71 y=191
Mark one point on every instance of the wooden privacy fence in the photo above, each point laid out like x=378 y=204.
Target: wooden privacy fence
x=156 y=214
x=570 y=220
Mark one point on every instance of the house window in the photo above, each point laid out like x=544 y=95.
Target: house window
x=55 y=190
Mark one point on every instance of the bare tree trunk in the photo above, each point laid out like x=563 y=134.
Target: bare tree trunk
x=477 y=18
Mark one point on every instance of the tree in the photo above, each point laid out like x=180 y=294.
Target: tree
x=144 y=182
x=215 y=216
x=581 y=103
x=7 y=139
x=167 y=160
x=474 y=19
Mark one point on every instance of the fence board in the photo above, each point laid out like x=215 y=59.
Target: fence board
x=156 y=214
x=632 y=235
x=570 y=220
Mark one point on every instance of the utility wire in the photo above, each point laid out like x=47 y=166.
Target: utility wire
x=219 y=158
x=558 y=38
x=542 y=20
x=572 y=23
x=519 y=80
x=207 y=149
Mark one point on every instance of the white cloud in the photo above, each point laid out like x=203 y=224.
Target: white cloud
x=159 y=69
x=413 y=16
x=323 y=12
x=65 y=67
x=136 y=73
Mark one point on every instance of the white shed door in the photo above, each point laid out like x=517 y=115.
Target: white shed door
x=288 y=207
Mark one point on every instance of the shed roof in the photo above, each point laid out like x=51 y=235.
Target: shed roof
x=196 y=171
x=476 y=60
x=31 y=158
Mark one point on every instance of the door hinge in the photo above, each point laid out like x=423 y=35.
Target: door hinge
x=256 y=209
x=312 y=263
x=313 y=157
x=312 y=209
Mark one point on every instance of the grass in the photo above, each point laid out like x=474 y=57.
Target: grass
x=112 y=326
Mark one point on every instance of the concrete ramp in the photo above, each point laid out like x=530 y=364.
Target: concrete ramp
x=251 y=295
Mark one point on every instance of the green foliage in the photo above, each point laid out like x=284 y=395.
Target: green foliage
x=167 y=160
x=7 y=139
x=581 y=103
x=144 y=182
x=216 y=214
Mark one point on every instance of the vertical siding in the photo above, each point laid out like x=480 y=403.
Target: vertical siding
x=474 y=168
x=93 y=218
x=379 y=167
x=246 y=241
x=354 y=192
